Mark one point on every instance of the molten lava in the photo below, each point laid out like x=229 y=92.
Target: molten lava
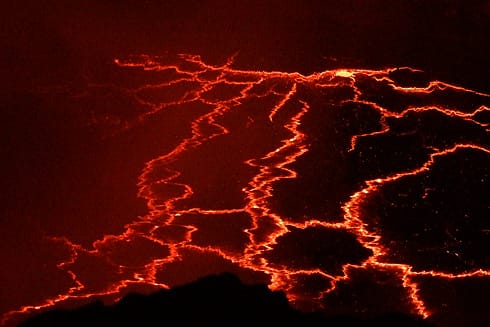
x=298 y=181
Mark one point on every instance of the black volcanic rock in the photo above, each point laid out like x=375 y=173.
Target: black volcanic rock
x=218 y=300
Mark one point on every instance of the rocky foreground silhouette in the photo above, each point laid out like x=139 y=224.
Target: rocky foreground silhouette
x=217 y=300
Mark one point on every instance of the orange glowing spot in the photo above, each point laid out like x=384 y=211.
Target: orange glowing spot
x=344 y=73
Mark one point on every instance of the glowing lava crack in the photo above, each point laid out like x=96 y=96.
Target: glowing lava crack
x=296 y=181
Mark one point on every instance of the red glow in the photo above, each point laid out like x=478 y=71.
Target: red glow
x=197 y=181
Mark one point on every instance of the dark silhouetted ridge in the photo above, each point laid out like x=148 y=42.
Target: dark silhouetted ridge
x=218 y=300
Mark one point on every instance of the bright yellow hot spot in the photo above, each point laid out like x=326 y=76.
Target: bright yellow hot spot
x=344 y=73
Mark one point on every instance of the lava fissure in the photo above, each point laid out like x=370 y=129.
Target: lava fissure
x=252 y=128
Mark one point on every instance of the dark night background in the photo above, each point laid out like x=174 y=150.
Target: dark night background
x=55 y=40
x=51 y=43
